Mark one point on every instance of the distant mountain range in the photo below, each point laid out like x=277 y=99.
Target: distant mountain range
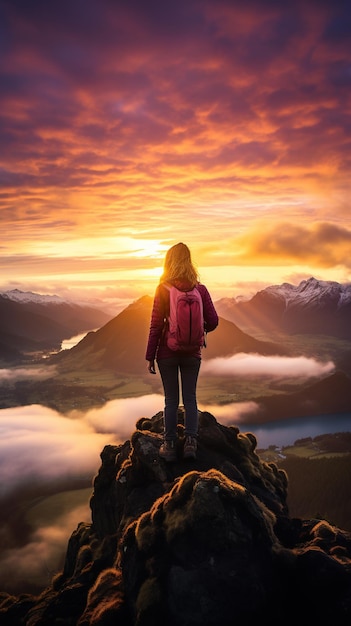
x=312 y=307
x=120 y=345
x=31 y=322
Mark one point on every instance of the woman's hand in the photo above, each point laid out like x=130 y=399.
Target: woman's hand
x=151 y=367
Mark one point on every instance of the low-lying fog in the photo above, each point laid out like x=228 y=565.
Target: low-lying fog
x=41 y=447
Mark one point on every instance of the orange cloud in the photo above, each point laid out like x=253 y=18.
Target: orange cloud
x=178 y=120
x=322 y=244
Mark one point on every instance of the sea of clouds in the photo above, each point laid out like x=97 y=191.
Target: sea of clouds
x=40 y=446
x=38 y=443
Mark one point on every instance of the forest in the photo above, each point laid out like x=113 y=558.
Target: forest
x=319 y=474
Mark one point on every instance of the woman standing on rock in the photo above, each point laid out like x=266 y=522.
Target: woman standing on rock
x=178 y=272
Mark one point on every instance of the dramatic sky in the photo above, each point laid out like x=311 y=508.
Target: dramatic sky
x=129 y=125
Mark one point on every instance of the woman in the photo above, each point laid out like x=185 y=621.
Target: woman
x=178 y=271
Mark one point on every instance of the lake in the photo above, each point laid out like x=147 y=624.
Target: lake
x=285 y=432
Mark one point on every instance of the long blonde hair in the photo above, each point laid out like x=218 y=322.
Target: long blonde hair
x=179 y=266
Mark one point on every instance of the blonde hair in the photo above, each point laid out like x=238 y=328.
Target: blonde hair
x=179 y=266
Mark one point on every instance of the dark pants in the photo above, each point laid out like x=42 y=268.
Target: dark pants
x=188 y=367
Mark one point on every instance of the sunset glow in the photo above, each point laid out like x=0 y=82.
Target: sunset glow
x=129 y=126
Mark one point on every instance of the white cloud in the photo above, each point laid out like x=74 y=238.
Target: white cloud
x=232 y=414
x=21 y=373
x=39 y=446
x=40 y=559
x=119 y=416
x=38 y=443
x=274 y=366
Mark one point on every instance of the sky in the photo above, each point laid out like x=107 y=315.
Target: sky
x=126 y=127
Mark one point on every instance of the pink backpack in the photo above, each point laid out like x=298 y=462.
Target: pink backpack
x=186 y=320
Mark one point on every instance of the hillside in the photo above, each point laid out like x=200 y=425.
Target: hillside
x=31 y=323
x=120 y=345
x=330 y=395
x=319 y=471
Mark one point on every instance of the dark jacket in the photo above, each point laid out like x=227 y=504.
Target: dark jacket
x=156 y=346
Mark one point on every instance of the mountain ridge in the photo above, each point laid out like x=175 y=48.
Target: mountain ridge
x=31 y=322
x=328 y=396
x=121 y=343
x=118 y=349
x=312 y=307
x=34 y=323
x=16 y=295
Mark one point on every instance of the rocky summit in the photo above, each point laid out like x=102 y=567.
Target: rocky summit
x=205 y=542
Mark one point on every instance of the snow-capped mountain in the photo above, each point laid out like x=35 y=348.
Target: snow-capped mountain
x=28 y=296
x=312 y=292
x=313 y=307
x=31 y=322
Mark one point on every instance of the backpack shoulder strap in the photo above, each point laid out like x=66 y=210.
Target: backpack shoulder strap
x=165 y=297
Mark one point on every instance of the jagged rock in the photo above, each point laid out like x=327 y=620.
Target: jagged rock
x=200 y=551
x=206 y=542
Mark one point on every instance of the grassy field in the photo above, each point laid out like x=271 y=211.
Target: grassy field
x=48 y=510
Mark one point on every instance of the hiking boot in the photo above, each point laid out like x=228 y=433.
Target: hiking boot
x=190 y=447
x=168 y=451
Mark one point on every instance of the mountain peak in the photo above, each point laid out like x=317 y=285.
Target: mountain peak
x=315 y=283
x=312 y=307
x=193 y=542
x=28 y=296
